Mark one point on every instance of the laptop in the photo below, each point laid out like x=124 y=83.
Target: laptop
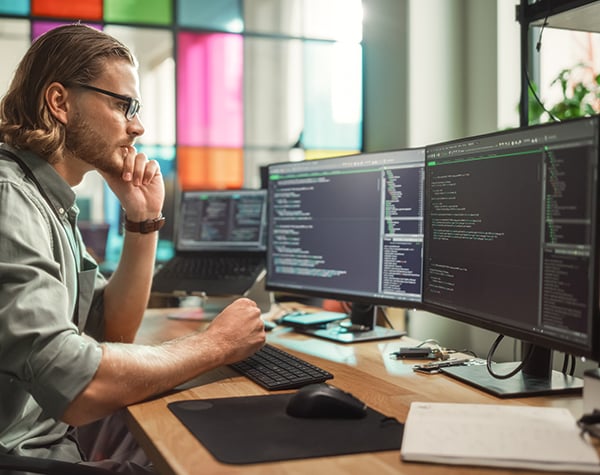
x=220 y=244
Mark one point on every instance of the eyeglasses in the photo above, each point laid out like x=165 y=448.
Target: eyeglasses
x=133 y=104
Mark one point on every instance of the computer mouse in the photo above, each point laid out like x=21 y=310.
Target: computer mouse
x=325 y=401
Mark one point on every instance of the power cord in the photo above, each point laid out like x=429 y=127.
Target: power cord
x=510 y=374
x=530 y=85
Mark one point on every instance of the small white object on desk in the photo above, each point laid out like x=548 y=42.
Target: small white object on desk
x=591 y=390
x=542 y=438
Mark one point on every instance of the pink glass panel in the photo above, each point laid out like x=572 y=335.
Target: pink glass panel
x=210 y=90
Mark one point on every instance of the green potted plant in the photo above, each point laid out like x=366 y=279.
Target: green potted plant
x=580 y=96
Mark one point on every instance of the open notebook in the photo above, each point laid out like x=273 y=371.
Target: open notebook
x=220 y=244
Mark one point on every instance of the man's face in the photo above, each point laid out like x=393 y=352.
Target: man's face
x=97 y=132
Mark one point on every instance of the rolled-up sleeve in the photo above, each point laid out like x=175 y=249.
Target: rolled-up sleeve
x=41 y=348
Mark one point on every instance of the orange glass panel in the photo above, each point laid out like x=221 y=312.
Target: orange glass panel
x=80 y=9
x=209 y=168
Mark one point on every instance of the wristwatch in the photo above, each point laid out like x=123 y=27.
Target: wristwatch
x=145 y=227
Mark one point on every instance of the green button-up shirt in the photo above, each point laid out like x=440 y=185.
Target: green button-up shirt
x=50 y=301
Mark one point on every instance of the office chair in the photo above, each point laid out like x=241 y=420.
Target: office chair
x=18 y=464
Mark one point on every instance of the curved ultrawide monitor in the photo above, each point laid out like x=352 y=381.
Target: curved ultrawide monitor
x=348 y=228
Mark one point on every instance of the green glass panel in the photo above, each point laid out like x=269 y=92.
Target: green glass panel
x=222 y=15
x=154 y=12
x=14 y=7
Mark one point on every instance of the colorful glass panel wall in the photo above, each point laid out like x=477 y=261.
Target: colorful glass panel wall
x=14 y=7
x=274 y=100
x=227 y=86
x=210 y=167
x=225 y=15
x=14 y=42
x=40 y=27
x=210 y=90
x=154 y=12
x=78 y=10
x=333 y=103
x=274 y=17
x=210 y=110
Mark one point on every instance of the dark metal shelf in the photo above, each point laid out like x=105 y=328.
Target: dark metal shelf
x=581 y=15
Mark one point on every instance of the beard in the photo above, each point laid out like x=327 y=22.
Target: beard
x=82 y=142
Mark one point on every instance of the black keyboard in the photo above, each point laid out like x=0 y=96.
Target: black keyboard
x=215 y=267
x=273 y=369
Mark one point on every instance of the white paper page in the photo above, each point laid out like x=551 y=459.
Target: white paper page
x=497 y=435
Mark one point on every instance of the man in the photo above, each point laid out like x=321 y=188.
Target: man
x=66 y=352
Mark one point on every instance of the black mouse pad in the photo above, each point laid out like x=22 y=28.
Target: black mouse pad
x=257 y=429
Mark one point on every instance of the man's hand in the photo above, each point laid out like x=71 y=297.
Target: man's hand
x=140 y=188
x=238 y=330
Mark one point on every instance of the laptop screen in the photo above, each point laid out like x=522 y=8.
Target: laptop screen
x=224 y=220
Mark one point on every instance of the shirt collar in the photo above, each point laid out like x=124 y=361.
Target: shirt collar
x=58 y=191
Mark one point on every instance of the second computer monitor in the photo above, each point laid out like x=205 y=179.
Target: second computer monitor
x=348 y=228
x=511 y=243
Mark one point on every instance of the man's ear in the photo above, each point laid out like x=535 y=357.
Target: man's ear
x=57 y=100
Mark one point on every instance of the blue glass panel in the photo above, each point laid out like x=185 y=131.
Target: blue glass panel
x=165 y=156
x=14 y=7
x=223 y=15
x=112 y=216
x=333 y=96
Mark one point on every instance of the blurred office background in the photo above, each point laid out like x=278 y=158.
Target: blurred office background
x=229 y=86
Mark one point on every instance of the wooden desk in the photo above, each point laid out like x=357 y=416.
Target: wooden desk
x=364 y=369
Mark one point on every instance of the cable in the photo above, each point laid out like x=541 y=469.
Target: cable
x=488 y=361
x=446 y=351
x=573 y=363
x=429 y=340
x=532 y=89
x=538 y=47
x=565 y=364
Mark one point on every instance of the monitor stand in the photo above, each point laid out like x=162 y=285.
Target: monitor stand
x=535 y=379
x=362 y=327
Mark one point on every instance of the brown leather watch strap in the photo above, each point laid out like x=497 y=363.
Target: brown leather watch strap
x=144 y=227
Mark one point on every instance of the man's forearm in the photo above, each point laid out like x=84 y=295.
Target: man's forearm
x=127 y=292
x=131 y=373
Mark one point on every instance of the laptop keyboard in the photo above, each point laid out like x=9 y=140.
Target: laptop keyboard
x=213 y=267
x=273 y=368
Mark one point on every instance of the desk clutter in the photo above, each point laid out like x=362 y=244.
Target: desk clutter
x=255 y=429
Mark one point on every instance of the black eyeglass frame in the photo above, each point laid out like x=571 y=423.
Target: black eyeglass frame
x=133 y=104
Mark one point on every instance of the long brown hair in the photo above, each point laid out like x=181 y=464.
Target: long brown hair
x=68 y=54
